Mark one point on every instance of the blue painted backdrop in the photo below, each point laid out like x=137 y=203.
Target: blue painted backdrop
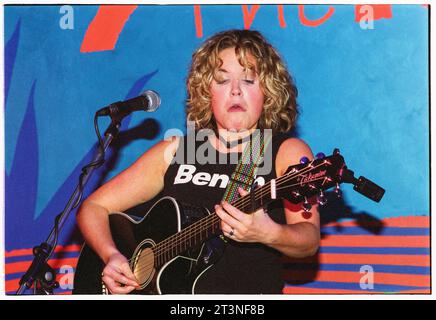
x=363 y=91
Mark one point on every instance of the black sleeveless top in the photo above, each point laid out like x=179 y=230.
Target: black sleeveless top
x=244 y=268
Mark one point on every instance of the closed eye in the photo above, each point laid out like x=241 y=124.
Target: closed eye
x=223 y=81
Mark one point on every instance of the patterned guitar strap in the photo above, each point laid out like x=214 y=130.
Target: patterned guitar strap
x=244 y=175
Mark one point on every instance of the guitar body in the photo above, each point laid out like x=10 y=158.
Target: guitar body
x=166 y=218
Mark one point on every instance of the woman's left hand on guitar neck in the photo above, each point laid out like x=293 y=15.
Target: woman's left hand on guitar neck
x=243 y=227
x=298 y=238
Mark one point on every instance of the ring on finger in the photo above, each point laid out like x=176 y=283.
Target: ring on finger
x=232 y=232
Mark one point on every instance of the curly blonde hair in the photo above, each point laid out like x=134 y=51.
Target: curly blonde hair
x=280 y=105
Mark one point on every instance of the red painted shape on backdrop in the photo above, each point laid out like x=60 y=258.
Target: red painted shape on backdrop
x=249 y=14
x=103 y=31
x=381 y=11
x=282 y=21
x=198 y=21
x=313 y=23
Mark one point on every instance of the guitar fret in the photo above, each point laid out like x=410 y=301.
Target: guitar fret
x=261 y=199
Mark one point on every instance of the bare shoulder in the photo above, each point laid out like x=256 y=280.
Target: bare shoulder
x=169 y=144
x=290 y=153
x=161 y=154
x=140 y=182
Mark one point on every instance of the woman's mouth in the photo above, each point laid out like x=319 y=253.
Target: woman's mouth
x=236 y=108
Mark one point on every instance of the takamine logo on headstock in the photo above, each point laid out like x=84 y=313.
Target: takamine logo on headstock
x=310 y=177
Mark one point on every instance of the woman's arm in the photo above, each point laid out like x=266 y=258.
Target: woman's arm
x=139 y=183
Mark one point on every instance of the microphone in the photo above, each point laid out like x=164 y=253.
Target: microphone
x=148 y=101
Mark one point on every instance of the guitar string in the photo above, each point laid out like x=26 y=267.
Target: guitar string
x=151 y=264
x=178 y=239
x=205 y=221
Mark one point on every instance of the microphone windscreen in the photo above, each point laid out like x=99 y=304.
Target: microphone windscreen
x=153 y=100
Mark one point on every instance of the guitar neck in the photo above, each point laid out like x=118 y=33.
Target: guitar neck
x=209 y=226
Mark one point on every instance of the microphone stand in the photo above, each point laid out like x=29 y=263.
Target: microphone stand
x=40 y=271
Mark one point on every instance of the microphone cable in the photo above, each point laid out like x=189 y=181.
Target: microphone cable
x=94 y=164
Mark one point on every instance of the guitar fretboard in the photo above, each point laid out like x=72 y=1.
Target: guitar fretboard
x=207 y=227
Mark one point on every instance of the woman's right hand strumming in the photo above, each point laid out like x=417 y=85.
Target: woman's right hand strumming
x=117 y=276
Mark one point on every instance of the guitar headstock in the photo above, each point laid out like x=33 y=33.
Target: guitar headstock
x=311 y=178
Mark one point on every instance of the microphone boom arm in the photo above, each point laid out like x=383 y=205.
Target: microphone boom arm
x=39 y=272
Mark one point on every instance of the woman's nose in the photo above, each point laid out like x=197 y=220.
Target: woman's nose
x=236 y=90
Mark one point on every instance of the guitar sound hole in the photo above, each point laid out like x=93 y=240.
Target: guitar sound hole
x=143 y=268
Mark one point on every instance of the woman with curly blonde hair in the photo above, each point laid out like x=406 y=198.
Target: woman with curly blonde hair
x=237 y=84
x=280 y=106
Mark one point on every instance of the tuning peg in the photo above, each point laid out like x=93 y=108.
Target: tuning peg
x=321 y=198
x=296 y=194
x=304 y=160
x=320 y=155
x=294 y=170
x=338 y=191
x=306 y=205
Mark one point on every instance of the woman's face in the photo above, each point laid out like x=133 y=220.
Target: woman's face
x=237 y=98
